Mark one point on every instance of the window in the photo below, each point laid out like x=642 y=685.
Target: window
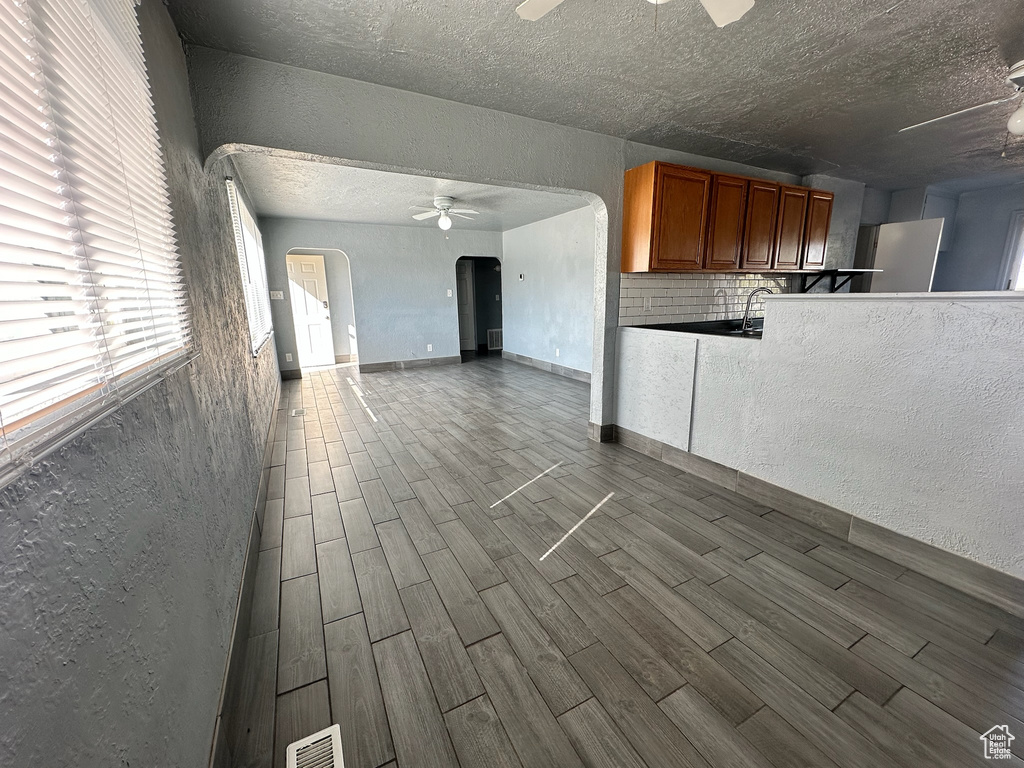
x=92 y=303
x=249 y=244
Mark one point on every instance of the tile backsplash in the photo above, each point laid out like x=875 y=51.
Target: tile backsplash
x=680 y=298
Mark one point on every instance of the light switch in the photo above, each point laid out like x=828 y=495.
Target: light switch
x=497 y=297
x=277 y=295
x=449 y=293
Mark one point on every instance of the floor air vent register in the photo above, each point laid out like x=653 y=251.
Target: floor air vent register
x=321 y=750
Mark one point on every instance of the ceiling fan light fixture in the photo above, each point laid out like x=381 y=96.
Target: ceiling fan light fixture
x=724 y=12
x=444 y=221
x=1015 y=124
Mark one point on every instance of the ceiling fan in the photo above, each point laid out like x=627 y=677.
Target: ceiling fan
x=1015 y=125
x=444 y=211
x=722 y=12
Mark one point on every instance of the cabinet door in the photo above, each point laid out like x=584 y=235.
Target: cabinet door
x=819 y=216
x=725 y=234
x=759 y=234
x=789 y=231
x=680 y=218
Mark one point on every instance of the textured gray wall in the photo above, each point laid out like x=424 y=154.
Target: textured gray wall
x=975 y=259
x=553 y=306
x=876 y=206
x=637 y=154
x=122 y=553
x=400 y=279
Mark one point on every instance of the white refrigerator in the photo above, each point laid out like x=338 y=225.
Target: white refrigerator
x=906 y=253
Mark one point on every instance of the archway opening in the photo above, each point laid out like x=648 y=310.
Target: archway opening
x=323 y=309
x=478 y=284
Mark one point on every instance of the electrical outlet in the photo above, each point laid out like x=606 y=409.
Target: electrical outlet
x=497 y=297
x=556 y=351
x=647 y=304
x=287 y=357
x=449 y=293
x=430 y=347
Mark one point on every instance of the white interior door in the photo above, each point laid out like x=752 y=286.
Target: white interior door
x=467 y=304
x=307 y=282
x=906 y=254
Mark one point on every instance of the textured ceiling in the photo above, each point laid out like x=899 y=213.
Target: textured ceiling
x=797 y=85
x=280 y=186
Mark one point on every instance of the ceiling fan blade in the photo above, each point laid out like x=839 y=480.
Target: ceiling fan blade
x=427 y=215
x=724 y=12
x=992 y=103
x=464 y=210
x=421 y=208
x=453 y=213
x=531 y=10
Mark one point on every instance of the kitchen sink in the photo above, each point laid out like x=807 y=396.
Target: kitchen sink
x=715 y=328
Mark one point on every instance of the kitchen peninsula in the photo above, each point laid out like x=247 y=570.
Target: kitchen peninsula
x=875 y=413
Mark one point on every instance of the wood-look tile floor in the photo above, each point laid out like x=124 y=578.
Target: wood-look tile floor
x=681 y=625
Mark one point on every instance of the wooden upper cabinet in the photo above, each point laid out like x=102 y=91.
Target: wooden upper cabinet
x=725 y=230
x=789 y=231
x=819 y=216
x=680 y=218
x=759 y=230
x=664 y=218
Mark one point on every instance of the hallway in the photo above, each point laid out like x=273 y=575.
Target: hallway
x=681 y=625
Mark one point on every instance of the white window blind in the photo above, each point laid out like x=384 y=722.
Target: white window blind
x=251 y=262
x=92 y=303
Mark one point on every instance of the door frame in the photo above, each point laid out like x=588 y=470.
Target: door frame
x=472 y=300
x=1013 y=258
x=295 y=320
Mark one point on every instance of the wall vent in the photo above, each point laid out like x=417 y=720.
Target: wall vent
x=298 y=412
x=321 y=750
x=494 y=338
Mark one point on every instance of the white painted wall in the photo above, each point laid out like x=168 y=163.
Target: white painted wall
x=553 y=306
x=654 y=399
x=400 y=280
x=976 y=256
x=905 y=412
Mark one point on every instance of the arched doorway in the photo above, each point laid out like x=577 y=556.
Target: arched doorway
x=323 y=310
x=478 y=282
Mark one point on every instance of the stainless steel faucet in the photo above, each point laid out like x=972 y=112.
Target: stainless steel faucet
x=747 y=324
